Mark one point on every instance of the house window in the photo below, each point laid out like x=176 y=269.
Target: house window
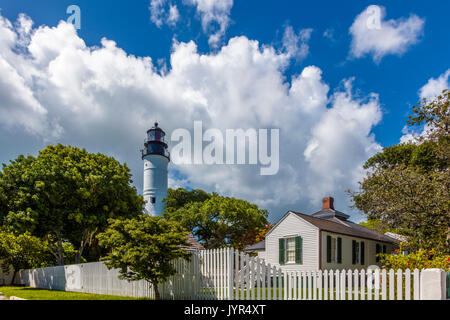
x=291 y=250
x=334 y=249
x=357 y=252
x=153 y=199
x=378 y=250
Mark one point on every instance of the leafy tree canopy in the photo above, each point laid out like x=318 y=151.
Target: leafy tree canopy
x=407 y=185
x=21 y=252
x=144 y=248
x=377 y=225
x=178 y=198
x=66 y=194
x=218 y=221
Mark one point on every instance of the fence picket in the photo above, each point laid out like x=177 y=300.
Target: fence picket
x=363 y=283
x=280 y=286
x=331 y=285
x=338 y=285
x=269 y=279
x=320 y=284
x=391 y=284
x=350 y=284
x=399 y=285
x=383 y=284
x=342 y=296
x=408 y=284
x=377 y=284
x=416 y=284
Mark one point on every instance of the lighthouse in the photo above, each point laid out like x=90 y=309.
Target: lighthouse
x=156 y=159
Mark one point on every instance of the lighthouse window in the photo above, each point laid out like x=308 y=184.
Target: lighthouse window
x=153 y=200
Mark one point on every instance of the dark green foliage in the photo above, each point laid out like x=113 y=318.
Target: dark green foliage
x=217 y=221
x=144 y=248
x=178 y=198
x=66 y=194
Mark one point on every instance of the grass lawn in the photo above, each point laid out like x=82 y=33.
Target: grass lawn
x=42 y=294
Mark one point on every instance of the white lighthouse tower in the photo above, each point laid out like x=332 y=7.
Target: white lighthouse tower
x=156 y=159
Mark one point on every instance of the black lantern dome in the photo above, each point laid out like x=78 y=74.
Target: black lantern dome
x=155 y=142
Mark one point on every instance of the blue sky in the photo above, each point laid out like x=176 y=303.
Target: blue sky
x=396 y=78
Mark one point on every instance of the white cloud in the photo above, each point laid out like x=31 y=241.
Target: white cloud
x=103 y=99
x=372 y=35
x=163 y=11
x=434 y=86
x=296 y=45
x=215 y=17
x=213 y=14
x=174 y=15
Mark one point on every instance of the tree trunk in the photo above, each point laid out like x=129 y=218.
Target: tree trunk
x=80 y=250
x=14 y=276
x=155 y=287
x=60 y=253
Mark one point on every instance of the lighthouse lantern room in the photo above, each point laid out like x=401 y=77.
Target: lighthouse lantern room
x=156 y=159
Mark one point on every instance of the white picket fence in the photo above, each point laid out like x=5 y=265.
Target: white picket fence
x=228 y=274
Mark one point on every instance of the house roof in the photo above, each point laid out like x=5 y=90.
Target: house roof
x=329 y=213
x=257 y=246
x=346 y=227
x=194 y=245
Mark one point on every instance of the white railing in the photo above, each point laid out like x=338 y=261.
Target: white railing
x=226 y=274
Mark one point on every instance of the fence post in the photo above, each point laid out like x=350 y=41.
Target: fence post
x=230 y=274
x=432 y=284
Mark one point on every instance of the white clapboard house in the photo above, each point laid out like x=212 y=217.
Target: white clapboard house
x=323 y=240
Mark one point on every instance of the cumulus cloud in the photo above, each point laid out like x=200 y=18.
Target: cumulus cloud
x=434 y=86
x=215 y=17
x=372 y=35
x=104 y=99
x=296 y=45
x=213 y=14
x=163 y=11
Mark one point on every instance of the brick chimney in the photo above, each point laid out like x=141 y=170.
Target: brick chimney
x=328 y=203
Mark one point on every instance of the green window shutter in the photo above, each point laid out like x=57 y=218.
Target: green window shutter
x=329 y=249
x=354 y=252
x=281 y=251
x=298 y=250
x=339 y=250
x=362 y=252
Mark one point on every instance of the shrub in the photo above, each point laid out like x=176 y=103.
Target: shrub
x=420 y=259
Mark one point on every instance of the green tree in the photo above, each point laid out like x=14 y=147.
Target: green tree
x=219 y=221
x=144 y=248
x=407 y=185
x=178 y=198
x=66 y=194
x=377 y=225
x=21 y=252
